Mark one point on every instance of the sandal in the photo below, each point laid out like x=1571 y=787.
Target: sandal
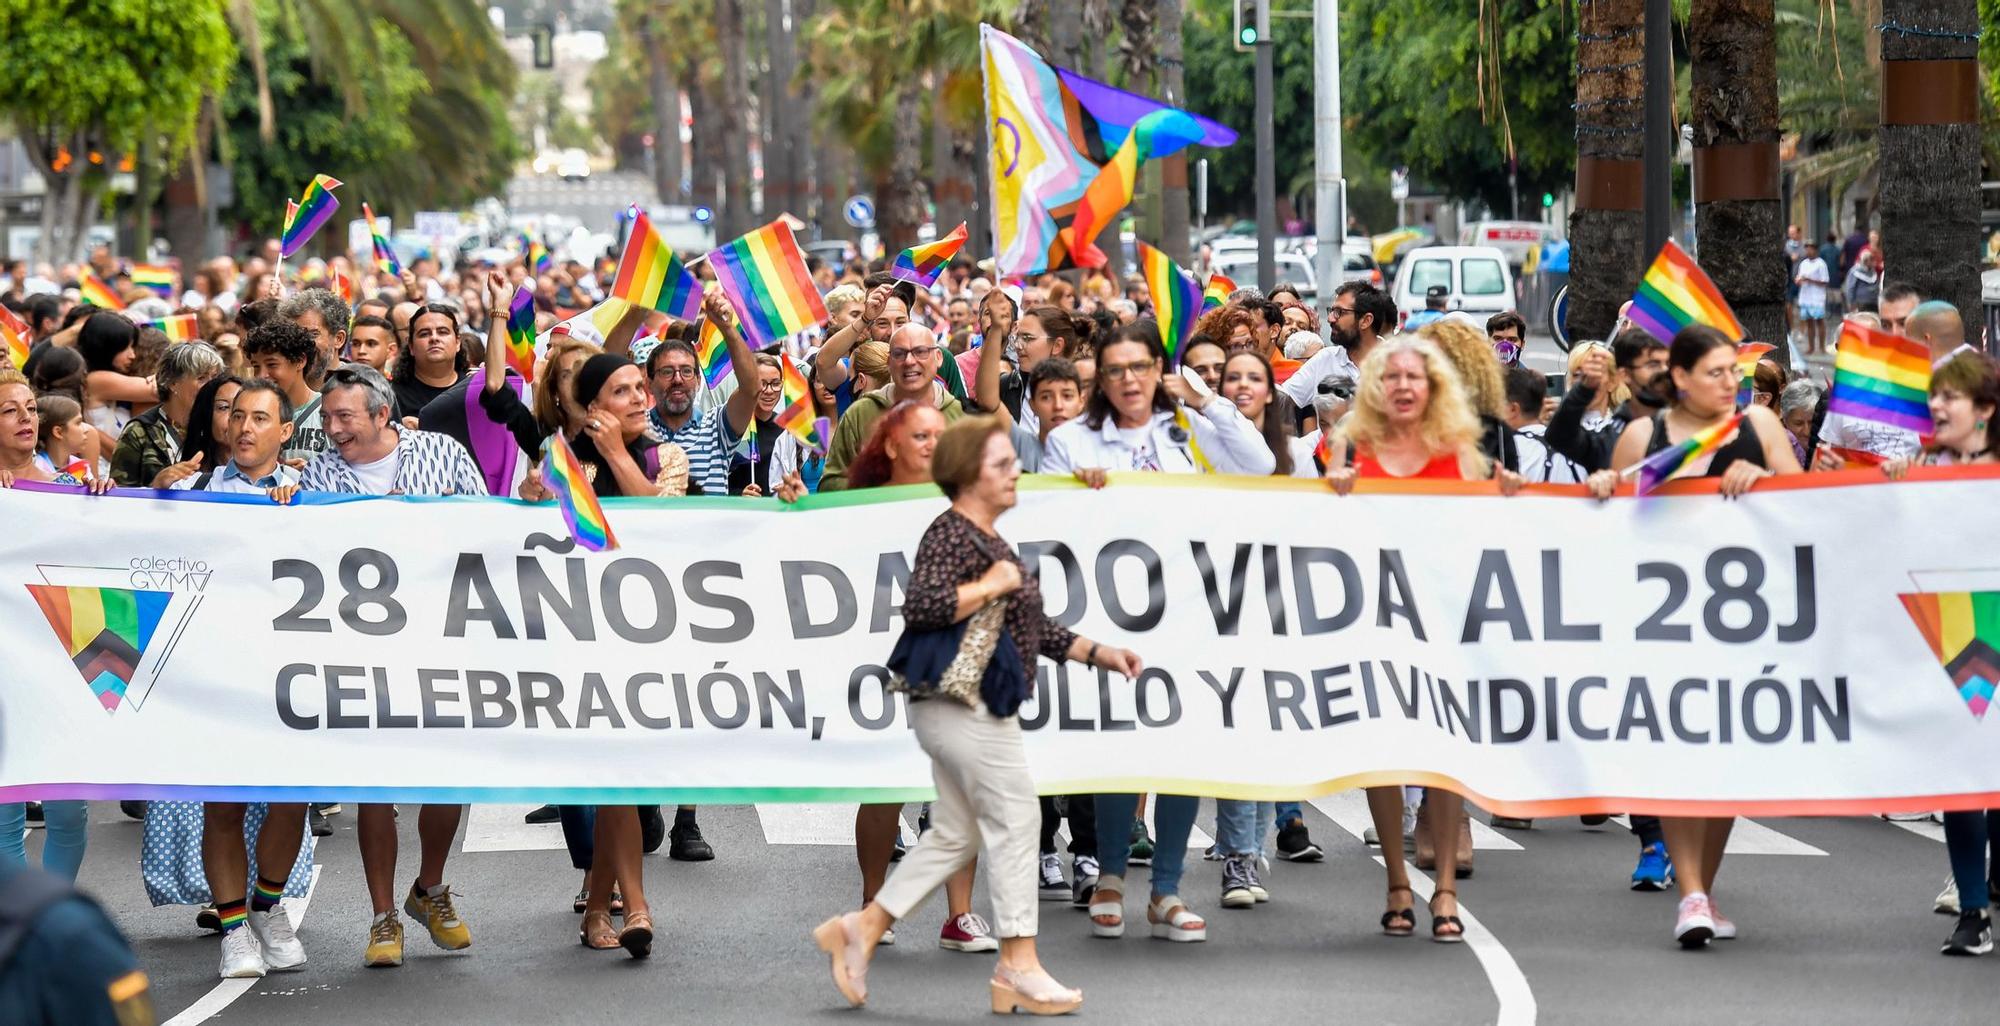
x=1400 y=922
x=1035 y=993
x=597 y=932
x=637 y=936
x=850 y=962
x=1446 y=929
x=1108 y=902
x=582 y=901
x=1173 y=921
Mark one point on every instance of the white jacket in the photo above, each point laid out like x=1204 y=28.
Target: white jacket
x=1225 y=437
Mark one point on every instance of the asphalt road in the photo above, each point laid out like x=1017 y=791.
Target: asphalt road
x=1835 y=914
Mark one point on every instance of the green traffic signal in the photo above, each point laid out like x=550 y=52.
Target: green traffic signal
x=1548 y=199
x=1248 y=34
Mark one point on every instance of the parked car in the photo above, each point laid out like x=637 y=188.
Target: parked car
x=1478 y=277
x=1240 y=266
x=1514 y=238
x=574 y=166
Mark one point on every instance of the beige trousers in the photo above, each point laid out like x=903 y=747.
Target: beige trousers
x=985 y=797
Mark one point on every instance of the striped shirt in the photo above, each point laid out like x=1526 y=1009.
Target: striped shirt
x=427 y=463
x=709 y=444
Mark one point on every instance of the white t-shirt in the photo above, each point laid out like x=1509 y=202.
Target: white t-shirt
x=379 y=477
x=1813 y=270
x=1330 y=362
x=1139 y=443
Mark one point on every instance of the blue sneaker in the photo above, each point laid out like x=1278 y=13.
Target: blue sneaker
x=1655 y=871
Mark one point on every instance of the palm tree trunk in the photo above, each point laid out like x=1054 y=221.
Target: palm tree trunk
x=735 y=216
x=1607 y=231
x=781 y=160
x=702 y=155
x=1738 y=215
x=950 y=190
x=799 y=140
x=1174 y=169
x=901 y=211
x=1929 y=144
x=666 y=112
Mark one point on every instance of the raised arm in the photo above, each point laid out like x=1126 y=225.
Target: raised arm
x=986 y=381
x=499 y=301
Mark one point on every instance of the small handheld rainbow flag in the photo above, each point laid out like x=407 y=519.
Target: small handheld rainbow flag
x=1216 y=292
x=14 y=342
x=538 y=257
x=95 y=292
x=1880 y=377
x=795 y=404
x=823 y=435
x=650 y=275
x=157 y=277
x=764 y=275
x=313 y=210
x=1672 y=461
x=564 y=476
x=179 y=327
x=923 y=263
x=521 y=333
x=1176 y=298
x=77 y=467
x=343 y=286
x=1676 y=293
x=385 y=254
x=1323 y=449
x=712 y=353
x=1747 y=355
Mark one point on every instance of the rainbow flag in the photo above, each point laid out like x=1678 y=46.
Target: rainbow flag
x=179 y=327
x=1157 y=133
x=712 y=353
x=923 y=263
x=385 y=254
x=95 y=292
x=1962 y=629
x=822 y=439
x=1676 y=293
x=314 y=209
x=1323 y=449
x=795 y=406
x=14 y=343
x=764 y=275
x=343 y=286
x=650 y=275
x=1176 y=298
x=1747 y=355
x=1880 y=377
x=538 y=257
x=564 y=476
x=1216 y=292
x=157 y=277
x=521 y=333
x=105 y=631
x=1670 y=462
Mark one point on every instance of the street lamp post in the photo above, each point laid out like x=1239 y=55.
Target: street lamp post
x=1329 y=204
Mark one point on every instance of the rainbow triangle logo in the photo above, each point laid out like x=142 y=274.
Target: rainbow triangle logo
x=1963 y=630
x=104 y=630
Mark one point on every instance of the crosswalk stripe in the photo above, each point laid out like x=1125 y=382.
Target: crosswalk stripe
x=1349 y=811
x=826 y=824
x=1922 y=828
x=499 y=828
x=1750 y=837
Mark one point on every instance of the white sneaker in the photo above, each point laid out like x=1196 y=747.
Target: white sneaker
x=281 y=948
x=1054 y=887
x=1946 y=903
x=888 y=938
x=242 y=956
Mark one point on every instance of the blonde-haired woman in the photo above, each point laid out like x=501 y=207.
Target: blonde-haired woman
x=1412 y=419
x=1608 y=399
x=1471 y=355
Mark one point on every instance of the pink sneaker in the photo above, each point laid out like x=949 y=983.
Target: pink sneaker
x=1724 y=929
x=1696 y=923
x=967 y=933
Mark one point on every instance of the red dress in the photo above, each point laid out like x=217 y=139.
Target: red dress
x=1443 y=467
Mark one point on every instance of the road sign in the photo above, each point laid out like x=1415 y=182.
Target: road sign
x=859 y=212
x=1399 y=184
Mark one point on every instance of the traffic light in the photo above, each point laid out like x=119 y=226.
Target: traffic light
x=1246 y=24
x=1548 y=200
x=544 y=39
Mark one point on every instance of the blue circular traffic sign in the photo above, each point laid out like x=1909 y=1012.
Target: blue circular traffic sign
x=859 y=212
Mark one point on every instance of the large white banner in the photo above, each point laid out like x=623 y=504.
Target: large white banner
x=1825 y=645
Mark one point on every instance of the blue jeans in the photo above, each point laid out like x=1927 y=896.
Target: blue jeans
x=1241 y=827
x=579 y=823
x=1288 y=811
x=1967 y=836
x=62 y=846
x=1172 y=813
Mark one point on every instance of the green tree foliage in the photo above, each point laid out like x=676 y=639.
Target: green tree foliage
x=1220 y=85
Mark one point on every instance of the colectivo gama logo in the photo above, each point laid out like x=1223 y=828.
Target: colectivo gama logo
x=1963 y=631
x=110 y=629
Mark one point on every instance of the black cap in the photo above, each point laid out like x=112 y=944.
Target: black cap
x=1437 y=292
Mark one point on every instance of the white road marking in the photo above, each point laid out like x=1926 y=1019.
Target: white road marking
x=1750 y=837
x=228 y=991
x=1198 y=839
x=1349 y=809
x=1510 y=985
x=831 y=824
x=1922 y=828
x=500 y=828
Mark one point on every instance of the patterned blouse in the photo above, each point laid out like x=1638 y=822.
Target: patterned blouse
x=954 y=552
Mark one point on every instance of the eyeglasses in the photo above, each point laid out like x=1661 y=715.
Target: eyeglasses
x=770 y=386
x=1341 y=311
x=677 y=373
x=1121 y=371
x=910 y=355
x=1020 y=336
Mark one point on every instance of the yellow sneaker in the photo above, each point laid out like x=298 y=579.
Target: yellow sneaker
x=385 y=942
x=439 y=917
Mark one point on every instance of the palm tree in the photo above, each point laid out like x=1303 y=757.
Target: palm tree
x=1173 y=170
x=1930 y=150
x=1607 y=231
x=735 y=216
x=1738 y=214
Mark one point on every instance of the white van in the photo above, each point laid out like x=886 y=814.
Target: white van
x=1479 y=280
x=1514 y=238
